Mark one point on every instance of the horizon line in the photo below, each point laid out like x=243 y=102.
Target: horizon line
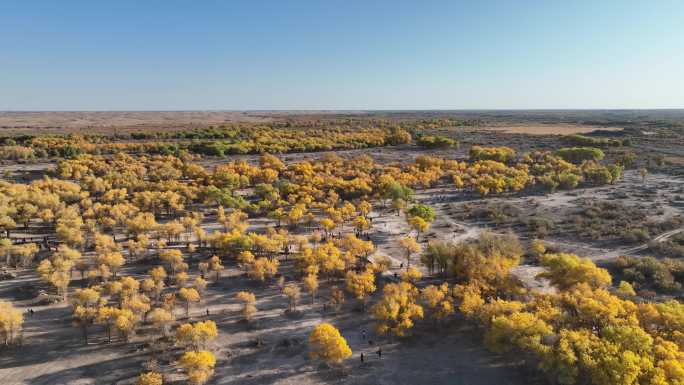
x=356 y=110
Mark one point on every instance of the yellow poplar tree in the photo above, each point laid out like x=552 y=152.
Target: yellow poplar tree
x=263 y=268
x=57 y=269
x=11 y=321
x=439 y=300
x=188 y=295
x=292 y=292
x=397 y=309
x=311 y=285
x=216 y=266
x=196 y=335
x=411 y=246
x=566 y=270
x=199 y=366
x=85 y=304
x=360 y=285
x=248 y=308
x=327 y=344
x=161 y=318
x=411 y=275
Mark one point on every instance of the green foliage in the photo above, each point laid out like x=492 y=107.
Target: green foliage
x=578 y=155
x=397 y=191
x=423 y=211
x=648 y=273
x=430 y=141
x=582 y=140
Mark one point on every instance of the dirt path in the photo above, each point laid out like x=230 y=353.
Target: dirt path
x=388 y=228
x=633 y=251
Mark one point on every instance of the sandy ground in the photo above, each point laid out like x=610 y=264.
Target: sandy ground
x=389 y=228
x=53 y=352
x=550 y=129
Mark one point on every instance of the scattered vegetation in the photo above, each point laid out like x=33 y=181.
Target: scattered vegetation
x=582 y=140
x=135 y=233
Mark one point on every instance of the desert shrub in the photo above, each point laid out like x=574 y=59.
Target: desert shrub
x=540 y=226
x=499 y=154
x=626 y=158
x=609 y=220
x=12 y=152
x=667 y=248
x=636 y=235
x=578 y=155
x=678 y=238
x=568 y=180
x=496 y=212
x=649 y=273
x=399 y=136
x=581 y=140
x=429 y=141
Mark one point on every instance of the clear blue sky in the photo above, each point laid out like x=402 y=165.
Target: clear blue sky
x=328 y=54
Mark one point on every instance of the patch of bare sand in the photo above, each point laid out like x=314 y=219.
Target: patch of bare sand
x=550 y=129
x=676 y=160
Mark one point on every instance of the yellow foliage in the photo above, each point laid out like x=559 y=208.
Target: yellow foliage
x=311 y=285
x=439 y=300
x=57 y=269
x=397 y=309
x=150 y=378
x=189 y=295
x=246 y=257
x=292 y=293
x=360 y=285
x=248 y=300
x=263 y=268
x=519 y=330
x=215 y=265
x=11 y=321
x=328 y=345
x=566 y=270
x=161 y=318
x=411 y=275
x=411 y=246
x=199 y=366
x=196 y=335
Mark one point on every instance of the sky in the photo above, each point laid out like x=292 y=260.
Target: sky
x=348 y=55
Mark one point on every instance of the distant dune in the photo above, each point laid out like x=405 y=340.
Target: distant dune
x=83 y=121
